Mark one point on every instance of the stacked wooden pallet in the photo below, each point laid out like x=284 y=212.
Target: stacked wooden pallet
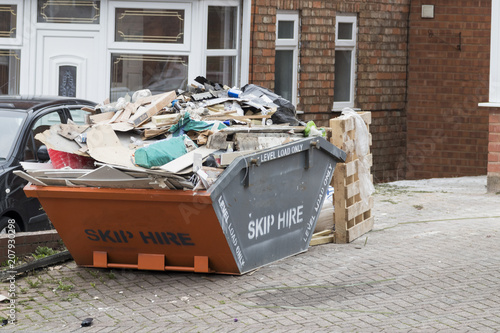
x=352 y=215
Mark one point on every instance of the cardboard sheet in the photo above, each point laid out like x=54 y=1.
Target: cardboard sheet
x=104 y=146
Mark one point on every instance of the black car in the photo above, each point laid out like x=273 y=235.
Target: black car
x=21 y=118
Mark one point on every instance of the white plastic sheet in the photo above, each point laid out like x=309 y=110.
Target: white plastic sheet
x=362 y=149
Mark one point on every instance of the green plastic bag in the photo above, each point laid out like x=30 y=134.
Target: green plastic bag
x=312 y=130
x=187 y=124
x=161 y=152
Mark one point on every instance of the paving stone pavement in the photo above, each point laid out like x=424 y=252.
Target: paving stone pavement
x=431 y=264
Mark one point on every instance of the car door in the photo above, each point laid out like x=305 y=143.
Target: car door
x=34 y=217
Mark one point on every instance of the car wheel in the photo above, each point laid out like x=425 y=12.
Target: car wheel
x=4 y=225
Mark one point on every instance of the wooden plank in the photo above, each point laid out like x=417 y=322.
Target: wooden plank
x=351 y=168
x=358 y=208
x=322 y=233
x=340 y=204
x=337 y=136
x=321 y=240
x=366 y=116
x=350 y=124
x=263 y=129
x=352 y=189
x=360 y=229
x=159 y=102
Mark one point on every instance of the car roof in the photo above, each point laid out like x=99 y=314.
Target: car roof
x=27 y=103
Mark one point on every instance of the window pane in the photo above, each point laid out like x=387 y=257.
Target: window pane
x=8 y=21
x=67 y=81
x=285 y=29
x=342 y=89
x=10 y=126
x=221 y=70
x=10 y=61
x=283 y=80
x=131 y=72
x=345 y=31
x=69 y=11
x=221 y=32
x=149 y=25
x=78 y=116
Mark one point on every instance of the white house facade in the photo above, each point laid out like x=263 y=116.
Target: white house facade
x=106 y=49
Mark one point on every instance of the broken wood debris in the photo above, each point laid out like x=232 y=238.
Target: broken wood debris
x=217 y=127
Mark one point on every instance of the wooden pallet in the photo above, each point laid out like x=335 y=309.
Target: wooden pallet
x=352 y=216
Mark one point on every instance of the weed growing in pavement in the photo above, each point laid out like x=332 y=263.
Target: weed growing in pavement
x=93 y=273
x=388 y=189
x=390 y=201
x=92 y=284
x=111 y=276
x=48 y=280
x=65 y=287
x=34 y=284
x=43 y=251
x=418 y=207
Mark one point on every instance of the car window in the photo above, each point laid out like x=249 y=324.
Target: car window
x=78 y=116
x=42 y=124
x=48 y=120
x=10 y=126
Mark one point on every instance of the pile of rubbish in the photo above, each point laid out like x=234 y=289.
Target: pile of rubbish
x=175 y=140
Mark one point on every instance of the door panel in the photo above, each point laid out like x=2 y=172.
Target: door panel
x=68 y=64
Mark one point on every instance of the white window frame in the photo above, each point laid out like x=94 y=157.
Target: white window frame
x=290 y=44
x=223 y=52
x=494 y=95
x=64 y=26
x=347 y=45
x=195 y=34
x=145 y=47
x=18 y=40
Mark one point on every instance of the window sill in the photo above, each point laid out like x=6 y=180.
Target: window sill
x=340 y=109
x=490 y=105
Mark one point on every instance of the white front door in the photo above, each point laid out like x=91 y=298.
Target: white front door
x=68 y=64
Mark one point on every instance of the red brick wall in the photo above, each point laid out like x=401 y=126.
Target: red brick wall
x=447 y=131
x=388 y=131
x=27 y=242
x=494 y=152
x=381 y=67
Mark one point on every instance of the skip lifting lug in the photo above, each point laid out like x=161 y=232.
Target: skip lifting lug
x=314 y=144
x=255 y=161
x=252 y=162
